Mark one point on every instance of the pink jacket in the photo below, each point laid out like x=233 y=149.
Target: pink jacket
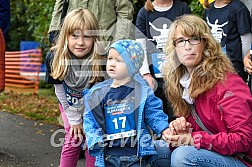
x=226 y=111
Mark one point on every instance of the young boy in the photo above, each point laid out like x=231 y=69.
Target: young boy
x=120 y=111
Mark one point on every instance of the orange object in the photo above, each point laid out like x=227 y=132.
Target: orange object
x=202 y=2
x=22 y=70
x=2 y=59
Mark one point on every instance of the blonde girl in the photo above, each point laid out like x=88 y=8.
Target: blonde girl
x=77 y=64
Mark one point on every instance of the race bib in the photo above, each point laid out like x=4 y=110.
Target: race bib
x=73 y=96
x=120 y=118
x=158 y=60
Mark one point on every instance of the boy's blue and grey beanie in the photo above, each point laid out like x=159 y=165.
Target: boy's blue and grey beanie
x=132 y=53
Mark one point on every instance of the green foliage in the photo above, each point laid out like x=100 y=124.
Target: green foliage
x=17 y=29
x=30 y=20
x=196 y=8
x=39 y=20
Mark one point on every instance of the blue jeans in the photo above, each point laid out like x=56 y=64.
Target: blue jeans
x=164 y=154
x=124 y=161
x=190 y=156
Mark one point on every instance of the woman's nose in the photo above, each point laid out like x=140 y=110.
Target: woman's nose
x=188 y=45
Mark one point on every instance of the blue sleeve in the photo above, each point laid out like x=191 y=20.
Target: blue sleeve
x=141 y=24
x=4 y=15
x=93 y=135
x=204 y=14
x=94 y=122
x=92 y=131
x=155 y=118
x=186 y=9
x=243 y=19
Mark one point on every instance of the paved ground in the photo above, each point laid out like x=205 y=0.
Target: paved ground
x=26 y=143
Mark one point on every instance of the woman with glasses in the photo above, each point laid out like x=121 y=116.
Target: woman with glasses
x=203 y=89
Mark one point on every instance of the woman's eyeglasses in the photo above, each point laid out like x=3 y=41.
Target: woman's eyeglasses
x=181 y=42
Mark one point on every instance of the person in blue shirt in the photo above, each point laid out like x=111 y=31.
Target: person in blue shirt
x=152 y=27
x=230 y=24
x=121 y=111
x=4 y=23
x=5 y=17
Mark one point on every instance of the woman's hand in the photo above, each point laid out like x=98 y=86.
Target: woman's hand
x=177 y=140
x=76 y=131
x=180 y=126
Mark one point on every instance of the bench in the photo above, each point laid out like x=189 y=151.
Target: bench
x=22 y=70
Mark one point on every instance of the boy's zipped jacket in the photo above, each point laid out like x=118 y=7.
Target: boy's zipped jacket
x=149 y=115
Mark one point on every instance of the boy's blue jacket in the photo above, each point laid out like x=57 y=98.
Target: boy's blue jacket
x=150 y=115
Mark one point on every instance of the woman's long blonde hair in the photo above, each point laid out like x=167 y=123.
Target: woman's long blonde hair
x=78 y=19
x=213 y=67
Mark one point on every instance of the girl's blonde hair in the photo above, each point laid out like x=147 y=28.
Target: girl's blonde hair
x=149 y=6
x=207 y=5
x=213 y=67
x=78 y=19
